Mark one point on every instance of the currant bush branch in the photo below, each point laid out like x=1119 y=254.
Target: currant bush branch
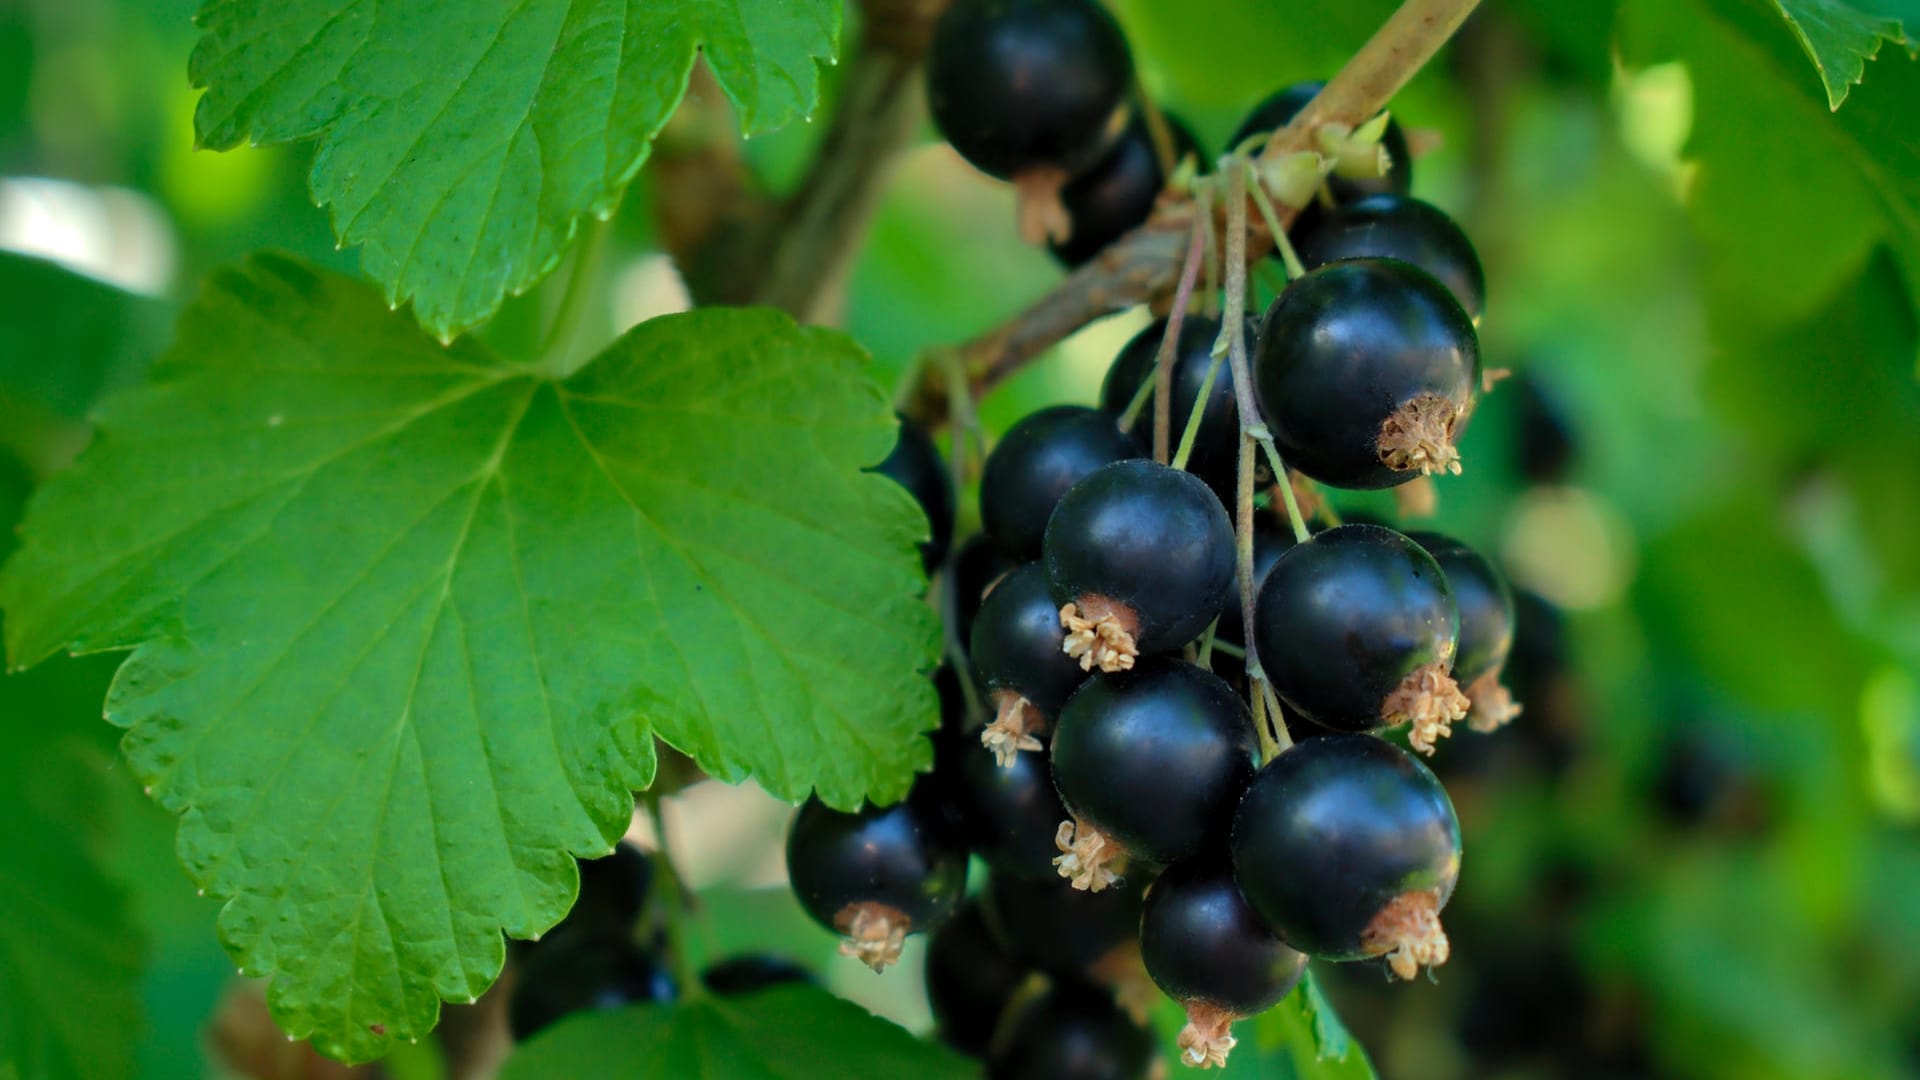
x=1144 y=265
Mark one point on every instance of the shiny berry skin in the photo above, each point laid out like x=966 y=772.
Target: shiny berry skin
x=915 y=464
x=1276 y=110
x=898 y=862
x=1010 y=812
x=1074 y=1030
x=1017 y=85
x=1149 y=544
x=1397 y=227
x=1052 y=926
x=1202 y=942
x=583 y=972
x=1017 y=639
x=1484 y=601
x=974 y=568
x=1116 y=194
x=1333 y=833
x=970 y=979
x=1035 y=463
x=1216 y=447
x=1345 y=619
x=753 y=972
x=1366 y=371
x=1155 y=757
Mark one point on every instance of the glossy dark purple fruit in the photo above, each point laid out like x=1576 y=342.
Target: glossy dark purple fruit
x=1549 y=439
x=1035 y=463
x=876 y=875
x=1366 y=371
x=1116 y=194
x=1206 y=948
x=581 y=972
x=1281 y=106
x=1010 y=813
x=1152 y=759
x=1019 y=660
x=1143 y=553
x=970 y=979
x=1018 y=85
x=975 y=566
x=1054 y=927
x=1216 y=446
x=613 y=893
x=1485 y=602
x=1357 y=630
x=915 y=464
x=753 y=972
x=1073 y=1030
x=1348 y=847
x=1270 y=541
x=1397 y=227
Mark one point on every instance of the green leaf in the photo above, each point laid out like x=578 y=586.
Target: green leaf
x=405 y=617
x=1839 y=40
x=461 y=144
x=778 y=1034
x=1303 y=1036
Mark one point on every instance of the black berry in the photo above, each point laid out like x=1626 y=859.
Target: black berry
x=1116 y=194
x=1216 y=446
x=580 y=972
x=1275 y=111
x=1270 y=541
x=1357 y=630
x=1206 y=948
x=1366 y=370
x=1056 y=928
x=877 y=875
x=1397 y=227
x=970 y=978
x=1348 y=847
x=1010 y=813
x=975 y=566
x=915 y=464
x=1140 y=557
x=613 y=892
x=1152 y=761
x=747 y=974
x=1485 y=603
x=1035 y=463
x=1020 y=659
x=1073 y=1030
x=1549 y=441
x=1023 y=85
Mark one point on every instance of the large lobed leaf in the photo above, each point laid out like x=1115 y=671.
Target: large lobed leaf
x=462 y=143
x=1839 y=39
x=405 y=617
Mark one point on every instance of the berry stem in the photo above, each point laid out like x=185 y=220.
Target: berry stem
x=1157 y=130
x=1169 y=342
x=1276 y=231
x=671 y=894
x=1191 y=429
x=556 y=348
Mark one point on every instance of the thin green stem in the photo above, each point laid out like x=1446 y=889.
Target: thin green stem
x=1191 y=429
x=1207 y=642
x=1170 y=341
x=556 y=349
x=1269 y=748
x=1295 y=268
x=670 y=893
x=1278 y=719
x=1229 y=648
x=1295 y=519
x=1141 y=394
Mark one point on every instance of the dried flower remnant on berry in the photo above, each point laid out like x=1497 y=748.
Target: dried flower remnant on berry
x=1086 y=856
x=874 y=934
x=1419 y=435
x=1099 y=634
x=1015 y=727
x=1431 y=701
x=1407 y=932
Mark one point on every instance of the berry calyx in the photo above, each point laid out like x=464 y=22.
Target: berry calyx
x=970 y=976
x=583 y=971
x=1206 y=948
x=1348 y=848
x=1283 y=104
x=1216 y=446
x=1009 y=813
x=1117 y=193
x=915 y=464
x=1151 y=762
x=1357 y=630
x=1486 y=629
x=1089 y=859
x=1020 y=659
x=1035 y=463
x=1389 y=226
x=1140 y=557
x=1059 y=929
x=1073 y=1030
x=1366 y=370
x=877 y=875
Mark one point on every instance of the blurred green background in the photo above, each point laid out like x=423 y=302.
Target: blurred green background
x=1698 y=852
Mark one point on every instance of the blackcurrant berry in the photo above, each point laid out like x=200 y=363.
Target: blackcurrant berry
x=1357 y=631
x=747 y=974
x=970 y=977
x=1348 y=847
x=1282 y=106
x=1397 y=227
x=877 y=875
x=975 y=566
x=1549 y=441
x=1206 y=948
x=1073 y=1030
x=1020 y=659
x=1010 y=813
x=1140 y=557
x=1116 y=194
x=1032 y=91
x=915 y=464
x=1270 y=541
x=1150 y=763
x=1035 y=463
x=578 y=972
x=1059 y=929
x=954 y=742
x=613 y=892
x=1216 y=446
x=1486 y=628
x=1366 y=370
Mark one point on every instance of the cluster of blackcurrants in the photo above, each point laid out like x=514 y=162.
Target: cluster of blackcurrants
x=1098 y=751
